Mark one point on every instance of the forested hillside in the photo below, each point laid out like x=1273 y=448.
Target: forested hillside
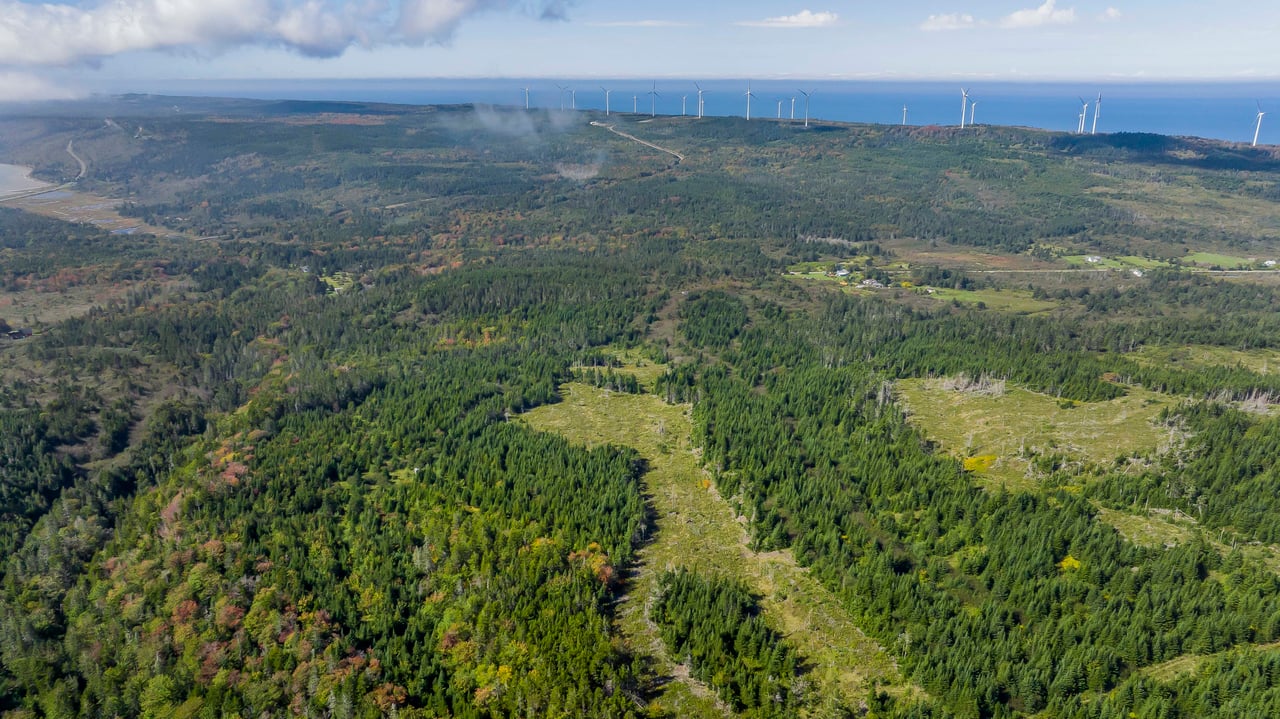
x=272 y=461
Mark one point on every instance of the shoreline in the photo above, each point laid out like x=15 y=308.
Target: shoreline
x=33 y=186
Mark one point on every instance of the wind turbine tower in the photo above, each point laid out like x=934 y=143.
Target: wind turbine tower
x=573 y=99
x=749 y=96
x=635 y=104
x=1084 y=113
x=699 y=99
x=904 y=115
x=607 y=91
x=973 y=110
x=807 y=95
x=653 y=100
x=779 y=108
x=1258 y=128
x=964 y=106
x=526 y=98
x=1097 y=110
x=793 y=107
x=684 y=104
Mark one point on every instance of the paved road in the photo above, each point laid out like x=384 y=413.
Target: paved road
x=84 y=168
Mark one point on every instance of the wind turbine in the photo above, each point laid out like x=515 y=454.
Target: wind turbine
x=964 y=105
x=635 y=104
x=526 y=98
x=561 y=88
x=1084 y=112
x=749 y=96
x=699 y=99
x=793 y=107
x=1097 y=110
x=1258 y=128
x=573 y=99
x=806 y=106
x=973 y=110
x=904 y=115
x=607 y=91
x=779 y=108
x=653 y=100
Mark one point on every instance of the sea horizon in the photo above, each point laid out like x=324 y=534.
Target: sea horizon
x=1224 y=111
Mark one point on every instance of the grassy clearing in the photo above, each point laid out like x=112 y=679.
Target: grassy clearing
x=1160 y=201
x=1124 y=262
x=697 y=529
x=1212 y=259
x=1154 y=530
x=39 y=307
x=1190 y=663
x=339 y=282
x=1261 y=361
x=636 y=364
x=1143 y=263
x=1003 y=300
x=969 y=424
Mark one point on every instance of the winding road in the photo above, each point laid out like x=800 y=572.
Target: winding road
x=84 y=167
x=633 y=138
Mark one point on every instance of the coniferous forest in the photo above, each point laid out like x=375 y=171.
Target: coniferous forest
x=265 y=372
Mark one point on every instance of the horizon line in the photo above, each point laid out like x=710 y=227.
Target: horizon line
x=1114 y=79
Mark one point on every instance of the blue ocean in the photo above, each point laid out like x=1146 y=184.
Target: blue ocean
x=1222 y=111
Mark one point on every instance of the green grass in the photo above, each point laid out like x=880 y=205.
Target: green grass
x=1210 y=259
x=969 y=424
x=339 y=282
x=1123 y=262
x=636 y=364
x=1003 y=300
x=1142 y=263
x=1262 y=361
x=1155 y=530
x=699 y=530
x=1190 y=663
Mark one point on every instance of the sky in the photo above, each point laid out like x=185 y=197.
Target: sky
x=65 y=49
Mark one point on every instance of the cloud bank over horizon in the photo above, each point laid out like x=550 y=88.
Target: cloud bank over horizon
x=73 y=34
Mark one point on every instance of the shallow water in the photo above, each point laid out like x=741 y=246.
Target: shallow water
x=16 y=178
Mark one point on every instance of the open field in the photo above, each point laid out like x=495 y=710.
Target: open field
x=1262 y=361
x=41 y=306
x=1157 y=529
x=72 y=206
x=1004 y=300
x=1187 y=200
x=1189 y=663
x=1007 y=427
x=1123 y=262
x=1227 y=262
x=697 y=529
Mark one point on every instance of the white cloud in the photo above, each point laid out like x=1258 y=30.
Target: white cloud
x=950 y=21
x=54 y=34
x=1046 y=14
x=1111 y=14
x=804 y=18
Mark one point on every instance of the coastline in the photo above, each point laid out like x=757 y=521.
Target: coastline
x=16 y=182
